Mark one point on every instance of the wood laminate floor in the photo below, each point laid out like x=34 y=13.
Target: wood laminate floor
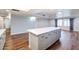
x=68 y=41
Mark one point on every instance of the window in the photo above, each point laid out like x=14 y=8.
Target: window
x=59 y=23
x=63 y=22
x=66 y=22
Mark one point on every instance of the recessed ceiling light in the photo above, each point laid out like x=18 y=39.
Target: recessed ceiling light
x=59 y=12
x=24 y=9
x=32 y=18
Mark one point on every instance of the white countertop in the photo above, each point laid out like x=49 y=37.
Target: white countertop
x=39 y=31
x=2 y=31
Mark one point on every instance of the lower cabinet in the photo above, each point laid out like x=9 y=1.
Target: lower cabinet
x=2 y=41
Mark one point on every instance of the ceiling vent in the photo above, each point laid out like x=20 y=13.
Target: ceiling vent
x=15 y=10
x=44 y=15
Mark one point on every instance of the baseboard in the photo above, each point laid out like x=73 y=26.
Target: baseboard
x=21 y=35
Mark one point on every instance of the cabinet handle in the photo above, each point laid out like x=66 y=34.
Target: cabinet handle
x=42 y=36
x=46 y=37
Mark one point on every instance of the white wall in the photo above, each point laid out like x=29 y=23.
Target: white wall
x=76 y=24
x=20 y=24
x=43 y=23
x=1 y=22
x=75 y=13
x=76 y=20
x=52 y=23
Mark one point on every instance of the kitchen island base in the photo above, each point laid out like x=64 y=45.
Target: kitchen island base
x=45 y=39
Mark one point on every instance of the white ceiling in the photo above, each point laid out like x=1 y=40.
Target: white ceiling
x=3 y=12
x=46 y=13
x=75 y=13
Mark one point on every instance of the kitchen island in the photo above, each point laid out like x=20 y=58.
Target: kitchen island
x=42 y=38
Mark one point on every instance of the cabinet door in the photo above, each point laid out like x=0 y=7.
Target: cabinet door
x=51 y=38
x=2 y=41
x=43 y=41
x=33 y=41
x=47 y=39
